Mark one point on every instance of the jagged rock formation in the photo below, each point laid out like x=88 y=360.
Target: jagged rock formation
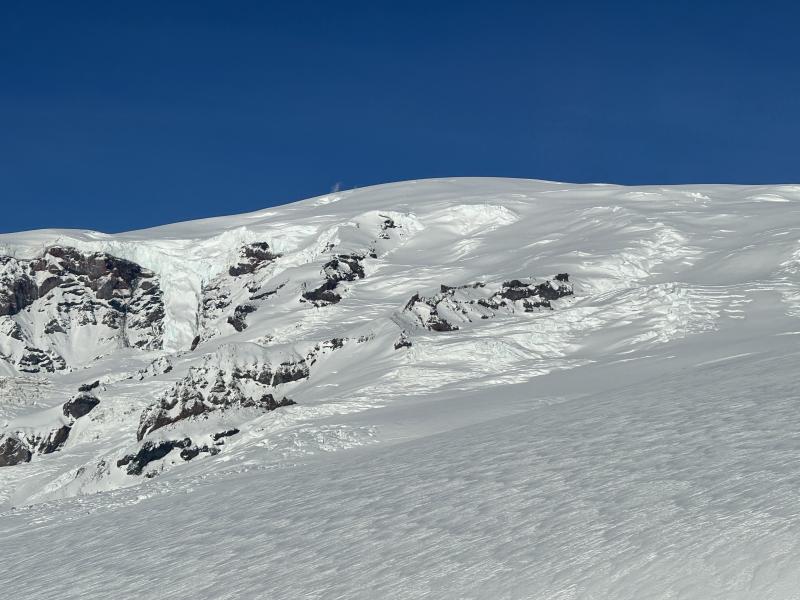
x=13 y=451
x=236 y=376
x=237 y=320
x=532 y=296
x=223 y=434
x=158 y=366
x=227 y=381
x=403 y=341
x=50 y=441
x=20 y=446
x=152 y=451
x=44 y=302
x=186 y=404
x=149 y=452
x=464 y=304
x=343 y=267
x=253 y=257
x=80 y=405
x=237 y=286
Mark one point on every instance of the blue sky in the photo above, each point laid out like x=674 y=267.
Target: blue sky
x=122 y=115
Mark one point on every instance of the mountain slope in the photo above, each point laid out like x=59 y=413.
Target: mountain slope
x=459 y=388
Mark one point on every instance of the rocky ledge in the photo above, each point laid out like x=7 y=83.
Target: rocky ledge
x=19 y=446
x=466 y=303
x=45 y=300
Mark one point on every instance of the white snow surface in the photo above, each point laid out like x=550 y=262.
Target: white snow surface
x=640 y=440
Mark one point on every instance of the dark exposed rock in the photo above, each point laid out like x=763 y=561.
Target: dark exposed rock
x=439 y=324
x=190 y=404
x=170 y=411
x=17 y=289
x=54 y=440
x=215 y=299
x=80 y=405
x=13 y=451
x=158 y=366
x=535 y=295
x=403 y=341
x=226 y=433
x=253 y=257
x=224 y=292
x=268 y=402
x=476 y=301
x=222 y=385
x=34 y=360
x=53 y=326
x=412 y=301
x=239 y=315
x=286 y=373
x=16 y=332
x=267 y=294
x=88 y=387
x=195 y=343
x=388 y=223
x=160 y=415
x=433 y=321
x=190 y=453
x=344 y=267
x=151 y=451
x=95 y=288
x=324 y=294
x=20 y=447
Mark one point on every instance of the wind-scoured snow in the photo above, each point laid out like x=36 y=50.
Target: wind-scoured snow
x=456 y=388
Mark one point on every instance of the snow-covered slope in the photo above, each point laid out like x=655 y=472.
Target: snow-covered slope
x=462 y=388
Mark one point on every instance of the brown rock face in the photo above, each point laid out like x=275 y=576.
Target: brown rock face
x=13 y=451
x=253 y=257
x=79 y=289
x=80 y=405
x=343 y=267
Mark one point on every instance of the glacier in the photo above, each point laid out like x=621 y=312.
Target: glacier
x=448 y=388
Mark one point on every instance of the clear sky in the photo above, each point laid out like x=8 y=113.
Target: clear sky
x=122 y=115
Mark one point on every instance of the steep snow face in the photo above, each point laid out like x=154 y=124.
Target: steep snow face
x=507 y=347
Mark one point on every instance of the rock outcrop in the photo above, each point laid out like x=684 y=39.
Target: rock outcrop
x=237 y=320
x=241 y=376
x=454 y=306
x=80 y=405
x=238 y=287
x=46 y=300
x=253 y=257
x=152 y=451
x=13 y=450
x=21 y=445
x=343 y=267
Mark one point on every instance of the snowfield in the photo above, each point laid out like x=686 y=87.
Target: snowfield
x=455 y=388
